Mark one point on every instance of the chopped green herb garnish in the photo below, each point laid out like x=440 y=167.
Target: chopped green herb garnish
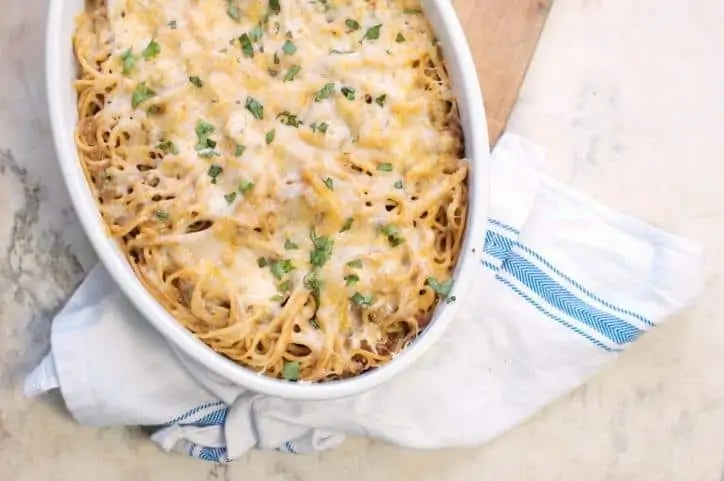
x=322 y=127
x=274 y=7
x=329 y=182
x=203 y=129
x=162 y=215
x=246 y=45
x=276 y=59
x=289 y=119
x=230 y=197
x=362 y=301
x=357 y=264
x=256 y=33
x=208 y=153
x=152 y=50
x=292 y=72
x=384 y=167
x=285 y=286
x=196 y=81
x=168 y=146
x=141 y=94
x=352 y=24
x=313 y=283
x=348 y=92
x=290 y=246
x=214 y=171
x=314 y=323
x=322 y=249
x=129 y=61
x=442 y=289
x=245 y=187
x=277 y=298
x=172 y=24
x=381 y=100
x=347 y=224
x=351 y=279
x=372 y=33
x=289 y=48
x=262 y=262
x=393 y=235
x=324 y=93
x=239 y=150
x=291 y=371
x=399 y=184
x=399 y=38
x=256 y=109
x=327 y=7
x=269 y=137
x=233 y=11
x=282 y=267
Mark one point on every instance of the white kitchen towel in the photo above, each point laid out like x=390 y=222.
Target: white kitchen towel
x=564 y=286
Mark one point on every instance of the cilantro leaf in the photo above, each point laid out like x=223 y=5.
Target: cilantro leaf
x=168 y=146
x=152 y=50
x=214 y=172
x=361 y=300
x=230 y=197
x=256 y=109
x=289 y=48
x=129 y=61
x=324 y=93
x=347 y=224
x=348 y=92
x=245 y=187
x=141 y=94
x=281 y=267
x=384 y=167
x=246 y=45
x=322 y=249
x=291 y=371
x=442 y=289
x=292 y=72
x=393 y=235
x=372 y=33
x=233 y=10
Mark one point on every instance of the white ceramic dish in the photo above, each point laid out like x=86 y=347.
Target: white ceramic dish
x=61 y=72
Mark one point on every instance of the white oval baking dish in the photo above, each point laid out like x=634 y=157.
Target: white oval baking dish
x=61 y=72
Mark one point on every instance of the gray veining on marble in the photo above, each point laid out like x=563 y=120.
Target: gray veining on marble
x=626 y=96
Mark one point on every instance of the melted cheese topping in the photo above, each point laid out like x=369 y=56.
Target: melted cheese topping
x=284 y=175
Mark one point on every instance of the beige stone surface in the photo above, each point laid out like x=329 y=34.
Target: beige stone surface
x=627 y=96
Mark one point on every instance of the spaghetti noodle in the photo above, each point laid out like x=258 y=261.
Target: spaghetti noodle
x=285 y=177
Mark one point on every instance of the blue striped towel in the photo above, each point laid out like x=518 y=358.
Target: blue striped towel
x=564 y=286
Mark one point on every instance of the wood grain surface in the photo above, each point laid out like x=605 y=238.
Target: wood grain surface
x=503 y=35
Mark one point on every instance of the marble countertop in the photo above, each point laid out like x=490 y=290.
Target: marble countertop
x=628 y=99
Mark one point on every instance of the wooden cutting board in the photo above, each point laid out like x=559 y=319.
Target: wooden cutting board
x=503 y=35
